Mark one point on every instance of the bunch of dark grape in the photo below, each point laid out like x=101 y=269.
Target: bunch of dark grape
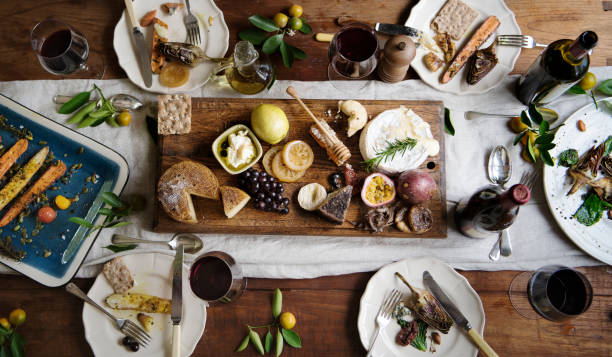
x=267 y=193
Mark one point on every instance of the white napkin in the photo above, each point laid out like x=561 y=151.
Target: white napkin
x=536 y=239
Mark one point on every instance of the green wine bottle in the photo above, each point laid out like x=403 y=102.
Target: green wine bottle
x=561 y=65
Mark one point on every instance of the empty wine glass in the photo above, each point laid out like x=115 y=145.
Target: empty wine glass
x=555 y=292
x=62 y=50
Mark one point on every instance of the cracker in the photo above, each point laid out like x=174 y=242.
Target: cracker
x=454 y=18
x=174 y=114
x=118 y=275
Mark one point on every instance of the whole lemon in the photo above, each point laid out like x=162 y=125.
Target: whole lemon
x=269 y=123
x=287 y=320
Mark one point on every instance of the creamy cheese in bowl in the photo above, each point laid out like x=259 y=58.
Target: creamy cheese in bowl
x=398 y=124
x=240 y=150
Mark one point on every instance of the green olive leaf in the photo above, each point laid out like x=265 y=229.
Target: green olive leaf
x=525 y=119
x=534 y=114
x=607 y=105
x=297 y=53
x=292 y=338
x=3 y=351
x=545 y=155
x=80 y=221
x=286 y=54
x=271 y=44
x=116 y=248
x=530 y=151
x=605 y=87
x=518 y=138
x=112 y=199
x=254 y=36
x=448 y=123
x=277 y=303
x=279 y=343
x=608 y=146
x=256 y=341
x=576 y=89
x=548 y=146
x=544 y=126
x=263 y=23
x=268 y=342
x=243 y=344
x=118 y=224
x=305 y=27
x=16 y=344
x=545 y=139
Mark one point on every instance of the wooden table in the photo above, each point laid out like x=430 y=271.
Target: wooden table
x=326 y=308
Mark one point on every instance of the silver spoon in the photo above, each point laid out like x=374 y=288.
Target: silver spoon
x=191 y=242
x=499 y=170
x=119 y=101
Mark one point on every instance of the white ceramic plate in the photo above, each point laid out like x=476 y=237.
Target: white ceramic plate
x=455 y=343
x=152 y=275
x=215 y=40
x=424 y=12
x=595 y=240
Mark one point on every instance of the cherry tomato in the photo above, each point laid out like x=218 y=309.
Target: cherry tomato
x=281 y=19
x=296 y=10
x=46 y=214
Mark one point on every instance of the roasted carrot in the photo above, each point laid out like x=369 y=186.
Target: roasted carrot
x=22 y=177
x=52 y=174
x=148 y=18
x=158 y=60
x=8 y=159
x=480 y=36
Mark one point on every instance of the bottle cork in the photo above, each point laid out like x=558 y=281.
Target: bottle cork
x=398 y=53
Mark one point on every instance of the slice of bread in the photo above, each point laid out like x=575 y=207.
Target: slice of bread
x=118 y=275
x=454 y=18
x=179 y=182
x=234 y=199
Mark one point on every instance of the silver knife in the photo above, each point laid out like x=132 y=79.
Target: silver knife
x=142 y=50
x=456 y=315
x=393 y=29
x=176 y=314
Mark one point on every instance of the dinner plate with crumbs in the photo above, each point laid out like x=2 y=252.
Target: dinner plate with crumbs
x=595 y=239
x=455 y=343
x=421 y=17
x=214 y=36
x=52 y=253
x=152 y=273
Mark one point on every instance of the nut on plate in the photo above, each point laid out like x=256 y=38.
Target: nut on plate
x=581 y=125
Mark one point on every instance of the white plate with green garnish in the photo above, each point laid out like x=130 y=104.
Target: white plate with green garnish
x=594 y=239
x=455 y=343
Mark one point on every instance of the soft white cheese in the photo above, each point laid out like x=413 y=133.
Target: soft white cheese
x=240 y=150
x=398 y=124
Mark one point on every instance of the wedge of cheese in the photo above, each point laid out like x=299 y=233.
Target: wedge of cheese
x=139 y=302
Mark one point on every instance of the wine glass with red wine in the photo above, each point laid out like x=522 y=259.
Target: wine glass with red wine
x=216 y=278
x=555 y=292
x=352 y=52
x=63 y=51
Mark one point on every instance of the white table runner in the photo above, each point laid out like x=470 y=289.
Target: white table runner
x=536 y=239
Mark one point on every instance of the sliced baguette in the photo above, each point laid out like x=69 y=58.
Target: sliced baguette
x=480 y=36
x=234 y=199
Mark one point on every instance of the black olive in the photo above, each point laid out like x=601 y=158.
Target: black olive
x=134 y=347
x=225 y=144
x=127 y=340
x=223 y=153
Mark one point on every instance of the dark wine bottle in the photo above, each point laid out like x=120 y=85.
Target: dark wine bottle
x=490 y=210
x=561 y=65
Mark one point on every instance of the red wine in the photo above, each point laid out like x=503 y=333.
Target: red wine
x=64 y=53
x=210 y=278
x=357 y=44
x=567 y=292
x=562 y=64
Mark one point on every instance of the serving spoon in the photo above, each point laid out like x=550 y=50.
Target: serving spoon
x=499 y=171
x=191 y=242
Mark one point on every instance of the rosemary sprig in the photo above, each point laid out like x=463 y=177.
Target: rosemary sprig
x=389 y=153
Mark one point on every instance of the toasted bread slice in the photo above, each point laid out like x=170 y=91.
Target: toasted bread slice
x=234 y=199
x=146 y=321
x=118 y=275
x=139 y=302
x=179 y=182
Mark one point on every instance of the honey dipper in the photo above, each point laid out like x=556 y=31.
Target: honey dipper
x=335 y=148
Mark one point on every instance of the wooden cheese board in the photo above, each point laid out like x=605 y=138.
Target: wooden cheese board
x=211 y=116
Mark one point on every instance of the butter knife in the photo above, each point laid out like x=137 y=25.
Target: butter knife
x=393 y=29
x=142 y=50
x=176 y=314
x=456 y=315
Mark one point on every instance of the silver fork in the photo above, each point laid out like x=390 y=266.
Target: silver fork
x=384 y=315
x=518 y=41
x=124 y=325
x=191 y=24
x=528 y=178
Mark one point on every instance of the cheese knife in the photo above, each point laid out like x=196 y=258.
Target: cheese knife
x=456 y=315
x=176 y=314
x=142 y=51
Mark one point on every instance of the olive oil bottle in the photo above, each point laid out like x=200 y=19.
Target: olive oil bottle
x=561 y=65
x=249 y=72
